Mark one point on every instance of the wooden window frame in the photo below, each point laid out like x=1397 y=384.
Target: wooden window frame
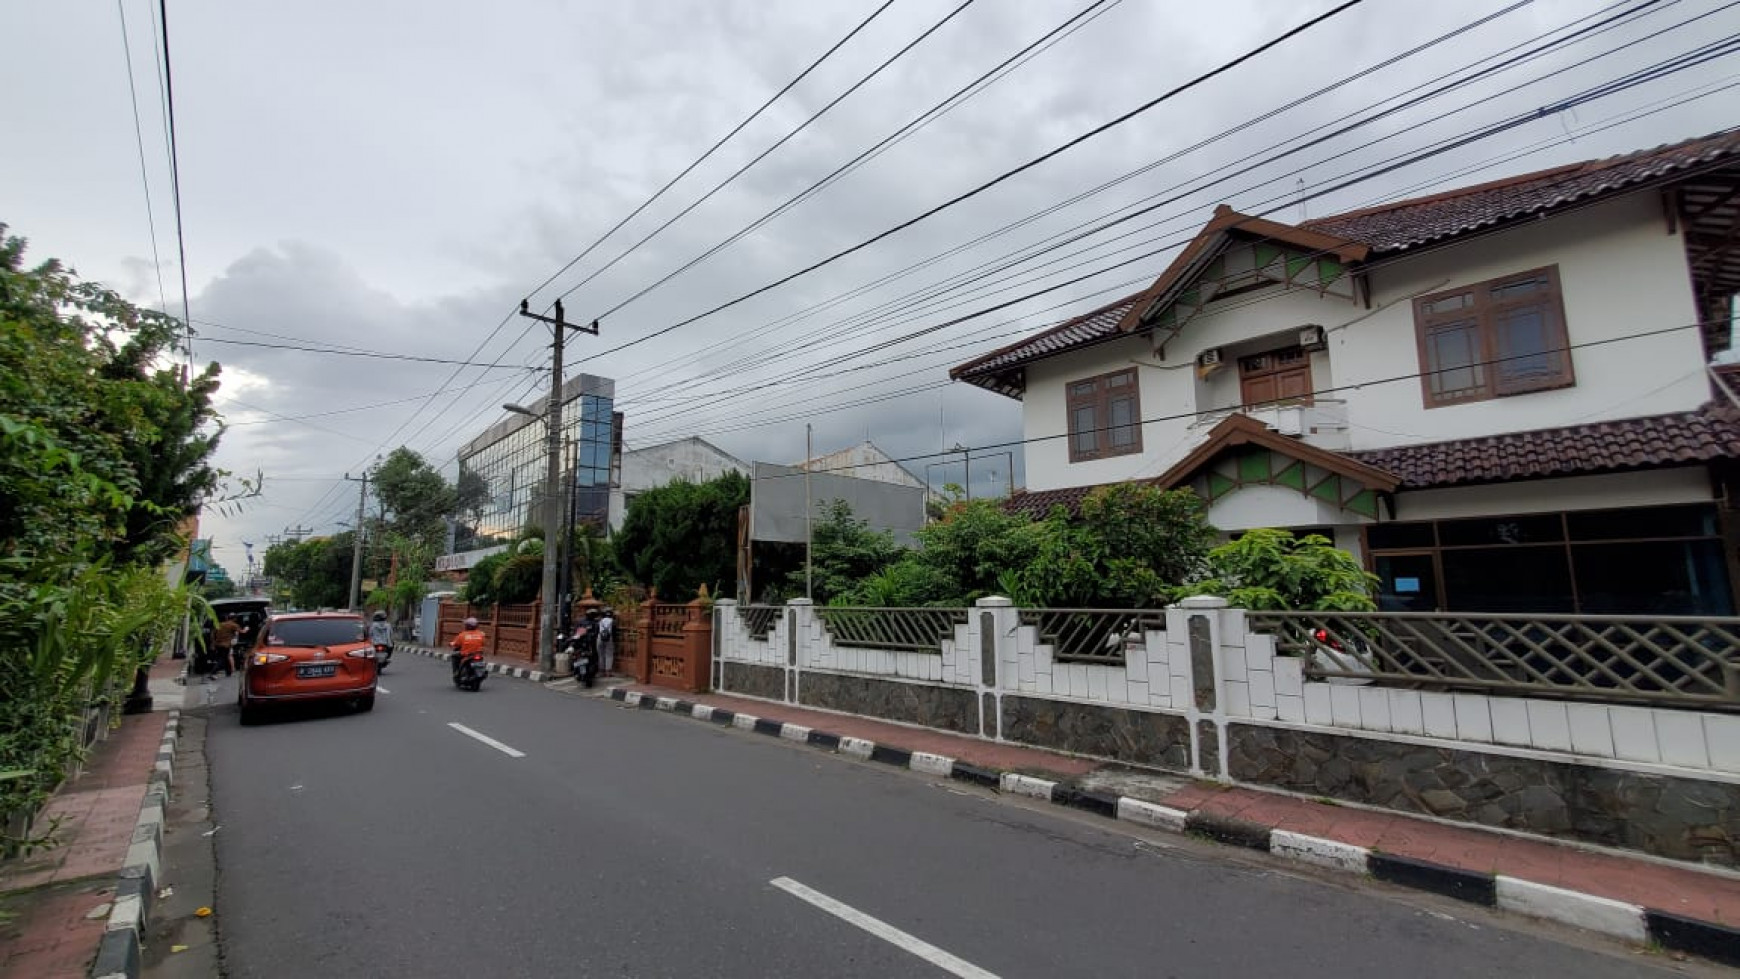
x=1100 y=399
x=1484 y=310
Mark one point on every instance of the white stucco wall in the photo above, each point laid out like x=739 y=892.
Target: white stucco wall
x=1605 y=492
x=1620 y=272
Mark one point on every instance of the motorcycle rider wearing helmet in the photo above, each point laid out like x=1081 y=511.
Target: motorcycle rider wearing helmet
x=472 y=640
x=381 y=633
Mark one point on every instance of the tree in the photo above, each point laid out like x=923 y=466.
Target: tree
x=844 y=551
x=105 y=448
x=1129 y=545
x=1272 y=569
x=415 y=495
x=314 y=573
x=682 y=534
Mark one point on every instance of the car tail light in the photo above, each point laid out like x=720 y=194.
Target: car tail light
x=1324 y=638
x=261 y=659
x=367 y=652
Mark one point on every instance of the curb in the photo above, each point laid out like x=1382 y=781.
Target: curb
x=536 y=676
x=119 y=955
x=1617 y=919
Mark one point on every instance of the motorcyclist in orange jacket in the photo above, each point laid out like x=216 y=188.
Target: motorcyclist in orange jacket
x=470 y=641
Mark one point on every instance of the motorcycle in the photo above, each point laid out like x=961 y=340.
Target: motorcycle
x=383 y=656
x=582 y=656
x=472 y=669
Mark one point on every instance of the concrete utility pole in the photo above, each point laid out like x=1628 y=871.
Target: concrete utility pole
x=809 y=515
x=356 y=554
x=559 y=327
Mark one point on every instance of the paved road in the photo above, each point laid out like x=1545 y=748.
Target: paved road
x=632 y=843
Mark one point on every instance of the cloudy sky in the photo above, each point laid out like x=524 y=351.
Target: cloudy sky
x=394 y=176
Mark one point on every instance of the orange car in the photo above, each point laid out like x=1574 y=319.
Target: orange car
x=309 y=656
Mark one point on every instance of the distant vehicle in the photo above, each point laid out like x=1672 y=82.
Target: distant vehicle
x=309 y=657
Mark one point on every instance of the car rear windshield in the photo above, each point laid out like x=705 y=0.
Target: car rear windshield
x=316 y=632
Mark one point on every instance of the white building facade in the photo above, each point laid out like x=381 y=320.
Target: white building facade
x=1497 y=396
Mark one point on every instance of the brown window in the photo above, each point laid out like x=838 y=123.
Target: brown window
x=1105 y=416
x=1492 y=339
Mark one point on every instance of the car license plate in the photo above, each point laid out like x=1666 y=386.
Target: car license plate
x=317 y=669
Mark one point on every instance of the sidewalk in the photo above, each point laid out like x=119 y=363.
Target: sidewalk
x=58 y=902
x=1462 y=861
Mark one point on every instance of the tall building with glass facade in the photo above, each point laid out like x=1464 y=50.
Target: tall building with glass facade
x=501 y=472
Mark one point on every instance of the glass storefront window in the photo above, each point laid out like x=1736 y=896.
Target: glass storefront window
x=1667 y=560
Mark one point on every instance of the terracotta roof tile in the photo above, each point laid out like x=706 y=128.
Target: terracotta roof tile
x=1712 y=432
x=1098 y=324
x=1410 y=223
x=1397 y=227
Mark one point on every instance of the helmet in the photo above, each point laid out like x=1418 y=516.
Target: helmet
x=471 y=623
x=380 y=616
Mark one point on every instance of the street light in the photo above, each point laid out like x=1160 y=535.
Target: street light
x=523 y=410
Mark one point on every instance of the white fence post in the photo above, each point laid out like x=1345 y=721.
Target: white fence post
x=1194 y=631
x=991 y=632
x=803 y=644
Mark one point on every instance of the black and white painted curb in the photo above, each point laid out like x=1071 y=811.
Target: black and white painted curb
x=120 y=953
x=1618 y=919
x=536 y=676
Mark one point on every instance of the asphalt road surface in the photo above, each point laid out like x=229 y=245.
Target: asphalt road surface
x=525 y=832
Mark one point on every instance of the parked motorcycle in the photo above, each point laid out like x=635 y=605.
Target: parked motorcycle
x=582 y=653
x=472 y=669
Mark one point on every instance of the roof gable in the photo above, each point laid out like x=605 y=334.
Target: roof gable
x=1194 y=266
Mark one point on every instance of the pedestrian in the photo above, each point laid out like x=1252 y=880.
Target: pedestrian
x=223 y=641
x=607 y=641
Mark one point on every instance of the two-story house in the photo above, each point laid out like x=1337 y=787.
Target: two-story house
x=1497 y=396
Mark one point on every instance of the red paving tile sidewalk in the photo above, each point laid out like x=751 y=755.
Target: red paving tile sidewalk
x=49 y=894
x=1707 y=895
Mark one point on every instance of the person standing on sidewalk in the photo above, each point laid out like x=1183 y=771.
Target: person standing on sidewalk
x=607 y=641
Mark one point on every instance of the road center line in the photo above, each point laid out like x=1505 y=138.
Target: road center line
x=486 y=739
x=883 y=930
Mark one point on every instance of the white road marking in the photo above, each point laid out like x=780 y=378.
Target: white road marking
x=881 y=929
x=382 y=689
x=486 y=739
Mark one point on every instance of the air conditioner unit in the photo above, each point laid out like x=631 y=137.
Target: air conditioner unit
x=1312 y=338
x=1209 y=357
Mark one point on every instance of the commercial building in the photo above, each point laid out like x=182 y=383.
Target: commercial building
x=501 y=472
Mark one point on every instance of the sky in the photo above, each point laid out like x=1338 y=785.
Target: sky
x=395 y=177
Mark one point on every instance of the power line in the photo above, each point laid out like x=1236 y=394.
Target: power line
x=343 y=411
x=1353 y=386
x=1645 y=75
x=837 y=45
x=765 y=153
x=987 y=185
x=925 y=118
x=139 y=141
x=175 y=175
x=376 y=354
x=1236 y=305
x=876 y=313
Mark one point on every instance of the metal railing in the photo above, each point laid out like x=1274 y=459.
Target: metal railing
x=759 y=620
x=1094 y=635
x=920 y=630
x=1670 y=660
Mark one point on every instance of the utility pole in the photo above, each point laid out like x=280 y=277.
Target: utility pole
x=809 y=515
x=356 y=554
x=559 y=327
